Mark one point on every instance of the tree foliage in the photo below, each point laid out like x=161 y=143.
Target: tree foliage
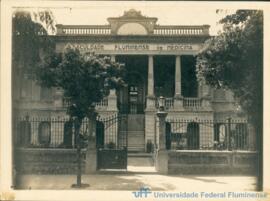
x=234 y=59
x=85 y=78
x=29 y=32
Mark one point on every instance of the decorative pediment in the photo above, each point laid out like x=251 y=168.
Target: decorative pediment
x=132 y=17
x=132 y=13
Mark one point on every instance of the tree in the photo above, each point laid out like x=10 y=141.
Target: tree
x=29 y=32
x=29 y=43
x=234 y=59
x=85 y=78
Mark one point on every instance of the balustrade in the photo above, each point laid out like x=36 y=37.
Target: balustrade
x=106 y=30
x=99 y=105
x=187 y=103
x=182 y=30
x=192 y=102
x=83 y=30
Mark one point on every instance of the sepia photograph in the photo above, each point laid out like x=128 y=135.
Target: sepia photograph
x=128 y=100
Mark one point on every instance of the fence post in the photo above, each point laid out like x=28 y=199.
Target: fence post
x=162 y=154
x=91 y=152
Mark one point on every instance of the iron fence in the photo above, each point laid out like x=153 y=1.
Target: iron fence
x=37 y=132
x=209 y=135
x=112 y=131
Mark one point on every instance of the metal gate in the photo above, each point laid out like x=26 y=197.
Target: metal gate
x=112 y=142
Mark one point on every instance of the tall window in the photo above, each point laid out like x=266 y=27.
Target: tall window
x=45 y=93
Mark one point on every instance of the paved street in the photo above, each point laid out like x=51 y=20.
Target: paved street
x=135 y=181
x=141 y=173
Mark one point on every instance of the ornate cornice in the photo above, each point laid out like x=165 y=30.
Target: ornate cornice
x=145 y=39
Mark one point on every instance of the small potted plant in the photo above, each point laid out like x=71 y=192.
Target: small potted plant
x=111 y=145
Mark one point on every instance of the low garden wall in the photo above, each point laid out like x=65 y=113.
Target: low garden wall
x=47 y=161
x=212 y=162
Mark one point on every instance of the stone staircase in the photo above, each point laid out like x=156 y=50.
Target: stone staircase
x=136 y=132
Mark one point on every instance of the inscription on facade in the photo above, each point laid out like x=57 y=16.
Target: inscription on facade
x=131 y=47
x=85 y=46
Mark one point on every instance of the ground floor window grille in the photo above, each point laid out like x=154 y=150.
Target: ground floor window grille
x=209 y=135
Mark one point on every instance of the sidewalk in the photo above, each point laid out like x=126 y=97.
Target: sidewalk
x=140 y=173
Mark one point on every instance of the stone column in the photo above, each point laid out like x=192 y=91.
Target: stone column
x=178 y=86
x=178 y=99
x=162 y=156
x=150 y=87
x=112 y=98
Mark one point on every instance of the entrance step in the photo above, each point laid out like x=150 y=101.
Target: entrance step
x=140 y=154
x=135 y=129
x=138 y=163
x=143 y=163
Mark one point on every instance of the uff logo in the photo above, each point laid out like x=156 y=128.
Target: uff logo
x=142 y=193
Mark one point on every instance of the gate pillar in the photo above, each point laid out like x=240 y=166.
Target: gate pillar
x=91 y=152
x=161 y=163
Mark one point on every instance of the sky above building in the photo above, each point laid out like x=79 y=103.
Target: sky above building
x=168 y=13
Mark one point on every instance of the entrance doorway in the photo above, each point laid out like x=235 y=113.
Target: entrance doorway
x=132 y=99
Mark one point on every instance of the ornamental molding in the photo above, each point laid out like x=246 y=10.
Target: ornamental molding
x=132 y=16
x=132 y=13
x=146 y=39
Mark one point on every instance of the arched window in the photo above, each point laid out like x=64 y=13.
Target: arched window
x=132 y=29
x=44 y=133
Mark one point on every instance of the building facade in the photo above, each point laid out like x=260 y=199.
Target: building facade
x=160 y=61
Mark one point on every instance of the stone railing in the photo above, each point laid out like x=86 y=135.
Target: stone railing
x=192 y=102
x=101 y=104
x=83 y=30
x=182 y=30
x=169 y=103
x=187 y=103
x=200 y=30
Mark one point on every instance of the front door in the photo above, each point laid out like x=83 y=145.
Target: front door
x=132 y=103
x=136 y=104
